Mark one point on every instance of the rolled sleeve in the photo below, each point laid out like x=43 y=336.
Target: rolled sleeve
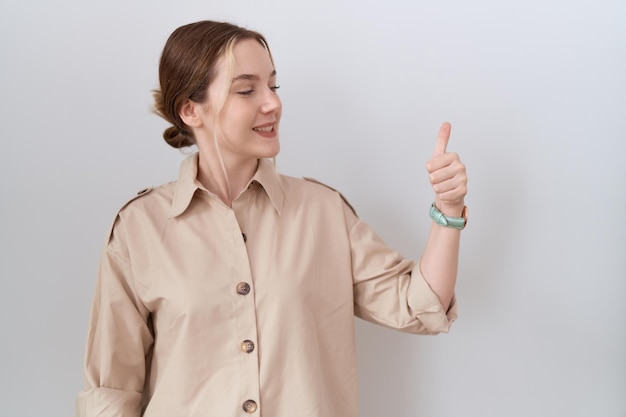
x=108 y=402
x=118 y=343
x=390 y=290
x=426 y=307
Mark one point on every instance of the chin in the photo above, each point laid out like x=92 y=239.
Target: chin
x=270 y=152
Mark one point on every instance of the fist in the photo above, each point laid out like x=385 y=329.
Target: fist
x=447 y=176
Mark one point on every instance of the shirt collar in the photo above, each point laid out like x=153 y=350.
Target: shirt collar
x=268 y=177
x=187 y=184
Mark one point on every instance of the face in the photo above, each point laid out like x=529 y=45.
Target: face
x=247 y=124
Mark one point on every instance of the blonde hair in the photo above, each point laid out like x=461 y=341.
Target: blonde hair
x=229 y=61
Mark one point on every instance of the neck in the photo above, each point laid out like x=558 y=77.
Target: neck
x=226 y=182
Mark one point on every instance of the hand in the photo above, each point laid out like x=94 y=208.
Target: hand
x=447 y=176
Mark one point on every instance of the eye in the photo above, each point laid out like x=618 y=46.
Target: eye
x=246 y=93
x=274 y=88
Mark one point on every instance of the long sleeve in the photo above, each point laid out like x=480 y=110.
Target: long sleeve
x=119 y=339
x=389 y=289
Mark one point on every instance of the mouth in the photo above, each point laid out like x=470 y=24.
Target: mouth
x=264 y=129
x=267 y=129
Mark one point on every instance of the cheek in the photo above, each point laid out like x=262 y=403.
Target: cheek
x=235 y=118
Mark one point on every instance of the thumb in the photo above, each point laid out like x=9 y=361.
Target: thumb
x=442 y=139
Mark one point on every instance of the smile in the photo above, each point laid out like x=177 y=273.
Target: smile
x=264 y=129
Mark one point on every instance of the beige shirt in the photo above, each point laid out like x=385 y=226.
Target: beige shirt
x=201 y=310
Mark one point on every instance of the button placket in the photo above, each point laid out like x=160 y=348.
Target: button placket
x=245 y=289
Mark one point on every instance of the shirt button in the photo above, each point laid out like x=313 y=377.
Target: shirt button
x=243 y=288
x=247 y=346
x=249 y=406
x=245 y=238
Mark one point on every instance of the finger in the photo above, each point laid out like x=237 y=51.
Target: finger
x=446 y=172
x=452 y=197
x=438 y=162
x=455 y=183
x=442 y=139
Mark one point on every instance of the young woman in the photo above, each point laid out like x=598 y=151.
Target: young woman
x=232 y=290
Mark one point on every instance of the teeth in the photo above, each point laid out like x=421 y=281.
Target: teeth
x=266 y=129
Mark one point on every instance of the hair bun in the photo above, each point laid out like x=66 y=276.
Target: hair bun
x=177 y=139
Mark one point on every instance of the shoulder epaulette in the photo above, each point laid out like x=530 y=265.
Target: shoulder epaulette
x=140 y=193
x=345 y=200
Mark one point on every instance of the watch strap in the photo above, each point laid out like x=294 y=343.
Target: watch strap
x=447 y=221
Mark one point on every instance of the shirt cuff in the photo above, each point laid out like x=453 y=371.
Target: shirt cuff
x=108 y=402
x=426 y=306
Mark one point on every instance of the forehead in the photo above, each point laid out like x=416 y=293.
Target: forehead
x=250 y=57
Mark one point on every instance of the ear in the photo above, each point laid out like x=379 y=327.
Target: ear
x=190 y=113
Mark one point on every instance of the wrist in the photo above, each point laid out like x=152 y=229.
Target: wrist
x=454 y=210
x=455 y=222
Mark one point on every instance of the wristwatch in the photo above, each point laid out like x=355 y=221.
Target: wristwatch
x=447 y=221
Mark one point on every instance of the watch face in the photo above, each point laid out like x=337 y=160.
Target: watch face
x=464 y=215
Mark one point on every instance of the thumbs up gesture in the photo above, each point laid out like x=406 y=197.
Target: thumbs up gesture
x=447 y=176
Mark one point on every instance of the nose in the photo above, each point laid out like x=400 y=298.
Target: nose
x=271 y=101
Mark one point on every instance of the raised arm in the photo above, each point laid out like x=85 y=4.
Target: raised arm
x=439 y=263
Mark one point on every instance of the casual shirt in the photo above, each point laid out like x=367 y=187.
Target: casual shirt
x=203 y=310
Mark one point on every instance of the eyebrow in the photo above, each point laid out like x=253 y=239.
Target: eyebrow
x=251 y=77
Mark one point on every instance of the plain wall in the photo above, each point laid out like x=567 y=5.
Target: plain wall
x=536 y=94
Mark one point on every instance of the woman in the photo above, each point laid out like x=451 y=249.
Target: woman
x=232 y=290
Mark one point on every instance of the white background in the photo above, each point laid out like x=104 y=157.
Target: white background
x=535 y=91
